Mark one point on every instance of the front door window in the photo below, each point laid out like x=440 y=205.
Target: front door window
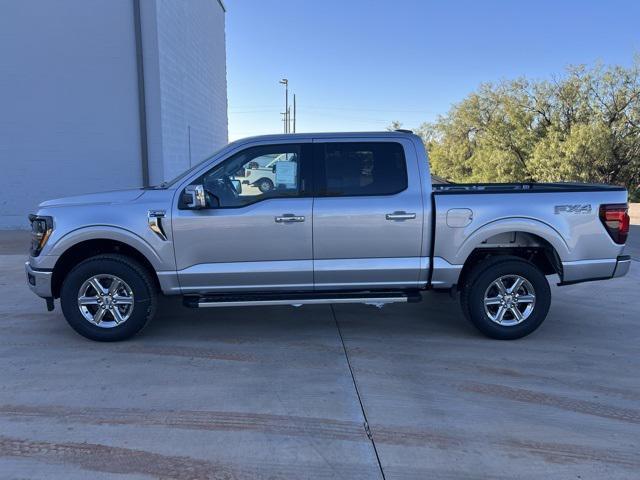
x=253 y=175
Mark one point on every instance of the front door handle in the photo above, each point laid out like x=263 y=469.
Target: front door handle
x=289 y=218
x=400 y=216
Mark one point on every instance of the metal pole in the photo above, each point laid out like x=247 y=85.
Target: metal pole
x=294 y=113
x=142 y=105
x=285 y=82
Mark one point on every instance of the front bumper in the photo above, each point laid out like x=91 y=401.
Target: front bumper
x=39 y=281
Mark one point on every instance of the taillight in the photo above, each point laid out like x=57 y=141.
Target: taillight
x=615 y=219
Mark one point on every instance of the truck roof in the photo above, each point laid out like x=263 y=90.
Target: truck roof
x=291 y=136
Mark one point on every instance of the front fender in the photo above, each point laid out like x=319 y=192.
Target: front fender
x=106 y=232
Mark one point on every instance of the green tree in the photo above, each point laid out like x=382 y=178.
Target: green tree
x=395 y=125
x=582 y=126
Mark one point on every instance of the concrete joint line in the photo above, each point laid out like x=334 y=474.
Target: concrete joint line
x=367 y=429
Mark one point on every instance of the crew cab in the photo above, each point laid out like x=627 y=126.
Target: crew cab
x=350 y=218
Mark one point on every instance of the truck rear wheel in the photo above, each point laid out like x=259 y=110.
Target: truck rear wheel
x=506 y=297
x=108 y=298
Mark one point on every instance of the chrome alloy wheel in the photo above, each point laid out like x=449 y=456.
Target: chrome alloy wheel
x=509 y=300
x=105 y=300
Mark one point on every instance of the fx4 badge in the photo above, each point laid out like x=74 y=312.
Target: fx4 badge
x=578 y=209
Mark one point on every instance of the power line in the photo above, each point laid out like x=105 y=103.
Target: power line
x=383 y=110
x=271 y=108
x=323 y=114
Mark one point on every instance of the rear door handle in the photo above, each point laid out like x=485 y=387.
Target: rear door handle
x=400 y=216
x=289 y=218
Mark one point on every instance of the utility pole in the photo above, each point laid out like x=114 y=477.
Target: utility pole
x=285 y=82
x=294 y=113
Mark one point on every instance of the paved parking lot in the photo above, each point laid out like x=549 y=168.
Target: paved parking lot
x=280 y=392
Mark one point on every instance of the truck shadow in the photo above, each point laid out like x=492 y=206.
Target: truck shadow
x=437 y=315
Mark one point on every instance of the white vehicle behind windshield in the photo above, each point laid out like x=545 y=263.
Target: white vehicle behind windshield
x=269 y=171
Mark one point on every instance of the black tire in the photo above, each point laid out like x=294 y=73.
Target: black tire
x=265 y=185
x=136 y=277
x=479 y=280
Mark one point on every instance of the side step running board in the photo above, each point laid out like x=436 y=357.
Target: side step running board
x=307 y=301
x=297 y=299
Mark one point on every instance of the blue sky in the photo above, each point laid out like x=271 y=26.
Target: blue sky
x=358 y=65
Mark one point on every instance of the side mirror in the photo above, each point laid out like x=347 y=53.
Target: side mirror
x=237 y=185
x=194 y=197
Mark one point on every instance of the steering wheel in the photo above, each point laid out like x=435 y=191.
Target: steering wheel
x=222 y=189
x=228 y=185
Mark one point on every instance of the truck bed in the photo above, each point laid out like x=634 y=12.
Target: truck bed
x=558 y=187
x=565 y=216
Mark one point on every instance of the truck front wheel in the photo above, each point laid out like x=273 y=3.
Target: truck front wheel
x=505 y=297
x=264 y=185
x=108 y=297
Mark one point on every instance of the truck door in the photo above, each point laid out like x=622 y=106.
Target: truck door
x=367 y=215
x=248 y=239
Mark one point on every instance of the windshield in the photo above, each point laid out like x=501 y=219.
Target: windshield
x=188 y=172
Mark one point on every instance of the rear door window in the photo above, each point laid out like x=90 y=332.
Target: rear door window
x=360 y=168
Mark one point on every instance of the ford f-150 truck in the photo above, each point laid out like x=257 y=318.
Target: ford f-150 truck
x=351 y=218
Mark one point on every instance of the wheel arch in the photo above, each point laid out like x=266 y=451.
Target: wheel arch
x=529 y=226
x=261 y=179
x=533 y=241
x=83 y=249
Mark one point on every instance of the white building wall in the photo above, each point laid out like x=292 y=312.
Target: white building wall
x=68 y=102
x=69 y=117
x=193 y=85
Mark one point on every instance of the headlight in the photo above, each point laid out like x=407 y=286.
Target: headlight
x=41 y=228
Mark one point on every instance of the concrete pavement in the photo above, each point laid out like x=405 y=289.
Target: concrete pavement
x=633 y=244
x=269 y=393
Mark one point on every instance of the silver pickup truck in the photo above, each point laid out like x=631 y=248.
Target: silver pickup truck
x=350 y=218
